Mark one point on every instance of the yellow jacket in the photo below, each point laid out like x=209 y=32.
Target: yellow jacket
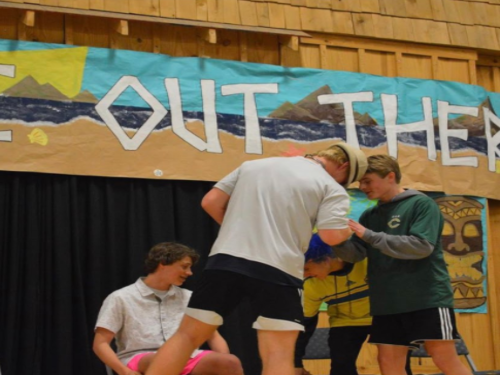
x=346 y=294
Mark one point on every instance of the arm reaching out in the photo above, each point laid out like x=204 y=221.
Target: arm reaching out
x=396 y=246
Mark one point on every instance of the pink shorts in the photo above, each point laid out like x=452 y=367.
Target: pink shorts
x=133 y=364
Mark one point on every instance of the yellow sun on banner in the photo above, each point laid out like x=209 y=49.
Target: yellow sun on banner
x=62 y=68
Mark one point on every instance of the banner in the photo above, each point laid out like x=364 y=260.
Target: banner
x=92 y=111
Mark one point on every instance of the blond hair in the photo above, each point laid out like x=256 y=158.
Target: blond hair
x=333 y=153
x=382 y=165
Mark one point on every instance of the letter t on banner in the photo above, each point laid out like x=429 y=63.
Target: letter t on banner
x=253 y=142
x=347 y=100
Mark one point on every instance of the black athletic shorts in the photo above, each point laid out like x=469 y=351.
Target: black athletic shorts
x=413 y=328
x=218 y=292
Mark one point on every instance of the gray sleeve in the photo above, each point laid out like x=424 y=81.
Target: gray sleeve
x=228 y=183
x=110 y=315
x=400 y=247
x=351 y=251
x=333 y=210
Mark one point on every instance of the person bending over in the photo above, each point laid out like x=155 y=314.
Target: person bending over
x=267 y=209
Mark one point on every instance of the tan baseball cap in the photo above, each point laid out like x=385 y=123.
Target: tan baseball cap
x=358 y=163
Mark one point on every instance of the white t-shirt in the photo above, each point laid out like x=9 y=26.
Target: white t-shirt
x=274 y=205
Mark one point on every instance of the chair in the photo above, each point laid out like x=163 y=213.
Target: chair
x=317 y=347
x=109 y=370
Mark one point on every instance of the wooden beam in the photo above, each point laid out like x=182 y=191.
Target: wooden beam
x=209 y=35
x=472 y=72
x=323 y=56
x=121 y=27
x=407 y=48
x=362 y=60
x=493 y=215
x=490 y=61
x=156 y=30
x=243 y=47
x=28 y=18
x=165 y=20
x=435 y=67
x=68 y=30
x=399 y=64
x=291 y=42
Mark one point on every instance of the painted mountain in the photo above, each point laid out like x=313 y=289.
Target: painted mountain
x=30 y=88
x=309 y=110
x=475 y=125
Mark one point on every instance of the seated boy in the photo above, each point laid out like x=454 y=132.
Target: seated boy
x=142 y=316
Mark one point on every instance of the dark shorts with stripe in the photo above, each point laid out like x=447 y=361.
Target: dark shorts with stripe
x=218 y=292
x=413 y=328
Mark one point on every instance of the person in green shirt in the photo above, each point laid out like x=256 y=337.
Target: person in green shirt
x=410 y=291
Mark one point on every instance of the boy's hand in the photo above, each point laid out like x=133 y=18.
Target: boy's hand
x=357 y=228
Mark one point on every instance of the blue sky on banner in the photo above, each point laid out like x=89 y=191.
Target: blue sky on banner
x=105 y=67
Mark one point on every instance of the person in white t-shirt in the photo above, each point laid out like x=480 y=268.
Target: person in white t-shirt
x=142 y=316
x=267 y=209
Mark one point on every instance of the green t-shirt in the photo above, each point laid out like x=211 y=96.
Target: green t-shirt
x=402 y=285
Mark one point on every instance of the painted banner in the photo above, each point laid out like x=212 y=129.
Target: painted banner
x=464 y=240
x=101 y=112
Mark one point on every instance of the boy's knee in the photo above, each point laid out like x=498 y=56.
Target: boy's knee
x=195 y=339
x=446 y=362
x=231 y=365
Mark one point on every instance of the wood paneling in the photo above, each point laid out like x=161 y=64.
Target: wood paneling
x=8 y=23
x=462 y=23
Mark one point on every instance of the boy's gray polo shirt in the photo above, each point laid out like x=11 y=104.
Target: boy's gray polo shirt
x=140 y=319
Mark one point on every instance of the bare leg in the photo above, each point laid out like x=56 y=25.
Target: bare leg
x=276 y=350
x=174 y=354
x=218 y=364
x=145 y=362
x=445 y=357
x=392 y=359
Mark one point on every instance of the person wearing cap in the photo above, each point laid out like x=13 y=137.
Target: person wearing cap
x=410 y=290
x=267 y=209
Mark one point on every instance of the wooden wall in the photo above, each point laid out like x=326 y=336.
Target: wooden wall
x=465 y=23
x=324 y=51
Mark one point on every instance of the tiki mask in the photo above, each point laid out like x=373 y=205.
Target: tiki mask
x=462 y=240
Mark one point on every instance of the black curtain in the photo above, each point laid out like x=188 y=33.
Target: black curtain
x=66 y=242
